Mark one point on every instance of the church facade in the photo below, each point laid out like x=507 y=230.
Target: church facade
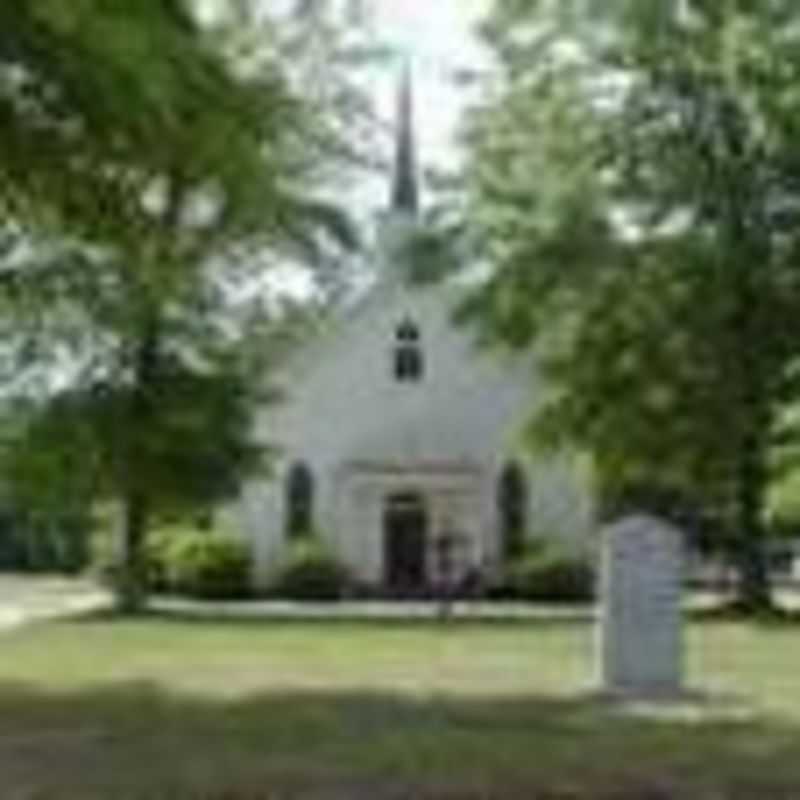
x=399 y=440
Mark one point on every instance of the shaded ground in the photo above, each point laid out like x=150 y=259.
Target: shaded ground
x=287 y=711
x=136 y=741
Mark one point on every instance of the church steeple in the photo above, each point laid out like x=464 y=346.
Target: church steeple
x=405 y=180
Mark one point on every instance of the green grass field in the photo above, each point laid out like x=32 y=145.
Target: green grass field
x=284 y=711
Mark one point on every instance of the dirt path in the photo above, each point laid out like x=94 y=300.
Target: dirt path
x=25 y=599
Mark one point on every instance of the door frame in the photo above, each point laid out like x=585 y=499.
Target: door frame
x=405 y=514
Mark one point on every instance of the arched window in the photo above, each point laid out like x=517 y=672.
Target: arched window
x=299 y=501
x=512 y=506
x=409 y=362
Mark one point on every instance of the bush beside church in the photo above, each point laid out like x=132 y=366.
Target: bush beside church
x=546 y=574
x=214 y=565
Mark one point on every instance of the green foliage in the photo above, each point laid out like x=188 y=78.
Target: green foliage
x=154 y=165
x=197 y=563
x=178 y=558
x=45 y=522
x=546 y=573
x=100 y=98
x=635 y=177
x=785 y=501
x=44 y=542
x=79 y=444
x=309 y=571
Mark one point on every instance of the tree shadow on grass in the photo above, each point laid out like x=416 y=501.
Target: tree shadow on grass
x=140 y=741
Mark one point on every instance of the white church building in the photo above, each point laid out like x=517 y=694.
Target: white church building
x=399 y=435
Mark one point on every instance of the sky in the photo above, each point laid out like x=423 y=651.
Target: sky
x=437 y=36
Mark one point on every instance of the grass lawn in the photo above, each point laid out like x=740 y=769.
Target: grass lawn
x=332 y=711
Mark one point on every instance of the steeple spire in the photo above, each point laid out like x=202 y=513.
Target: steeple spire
x=405 y=181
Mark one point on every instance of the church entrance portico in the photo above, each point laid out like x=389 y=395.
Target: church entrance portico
x=405 y=537
x=396 y=515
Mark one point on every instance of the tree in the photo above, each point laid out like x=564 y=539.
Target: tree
x=87 y=84
x=635 y=176
x=215 y=184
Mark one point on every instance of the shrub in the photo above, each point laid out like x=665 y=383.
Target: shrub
x=106 y=554
x=182 y=559
x=310 y=572
x=43 y=542
x=202 y=564
x=549 y=575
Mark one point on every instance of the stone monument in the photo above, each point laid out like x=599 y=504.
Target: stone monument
x=641 y=636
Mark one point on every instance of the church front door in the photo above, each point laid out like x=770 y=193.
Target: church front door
x=405 y=535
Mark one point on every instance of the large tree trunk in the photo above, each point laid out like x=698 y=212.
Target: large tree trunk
x=750 y=483
x=751 y=368
x=754 y=579
x=131 y=585
x=133 y=588
x=750 y=472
